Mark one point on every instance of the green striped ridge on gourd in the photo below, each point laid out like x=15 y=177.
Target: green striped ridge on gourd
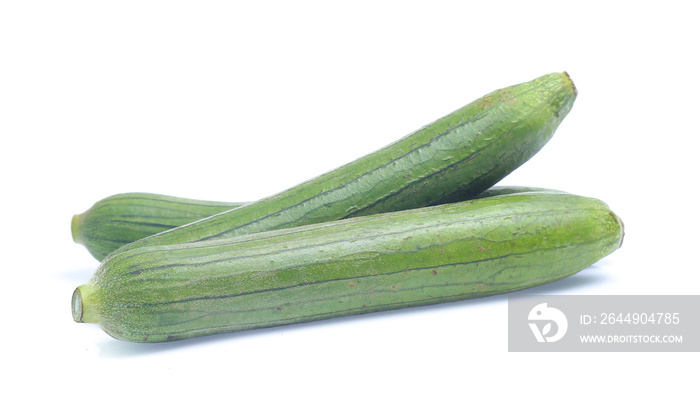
x=454 y=158
x=394 y=260
x=124 y=218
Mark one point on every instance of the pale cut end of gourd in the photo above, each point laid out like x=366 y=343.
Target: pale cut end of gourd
x=81 y=305
x=75 y=228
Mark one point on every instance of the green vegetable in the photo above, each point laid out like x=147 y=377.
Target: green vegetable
x=124 y=218
x=454 y=158
x=394 y=260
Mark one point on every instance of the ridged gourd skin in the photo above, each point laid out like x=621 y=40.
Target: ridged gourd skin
x=454 y=158
x=394 y=260
x=117 y=220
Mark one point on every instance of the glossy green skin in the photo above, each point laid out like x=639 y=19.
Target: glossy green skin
x=454 y=158
x=120 y=219
x=114 y=221
x=417 y=257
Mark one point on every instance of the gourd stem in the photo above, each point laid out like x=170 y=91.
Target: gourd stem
x=81 y=305
x=75 y=228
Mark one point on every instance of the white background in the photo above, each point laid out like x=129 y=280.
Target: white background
x=225 y=101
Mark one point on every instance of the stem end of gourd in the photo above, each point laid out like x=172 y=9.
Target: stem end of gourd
x=75 y=228
x=81 y=306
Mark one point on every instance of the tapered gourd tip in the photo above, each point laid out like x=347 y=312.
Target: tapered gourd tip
x=620 y=228
x=80 y=305
x=75 y=228
x=573 y=86
x=622 y=231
